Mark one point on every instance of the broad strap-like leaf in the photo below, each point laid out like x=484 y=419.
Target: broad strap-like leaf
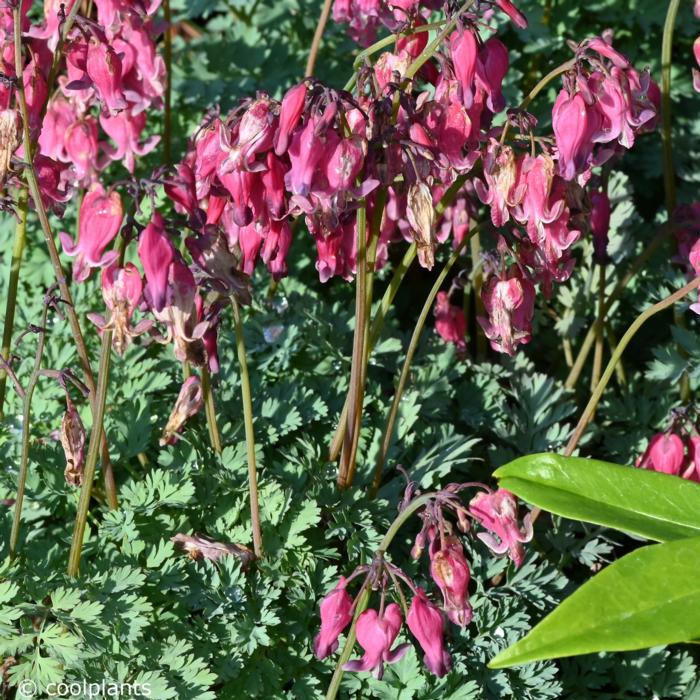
x=649 y=597
x=656 y=506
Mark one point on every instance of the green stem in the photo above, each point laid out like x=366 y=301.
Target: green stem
x=346 y=470
x=94 y=446
x=386 y=302
x=11 y=303
x=667 y=142
x=400 y=519
x=168 y=58
x=30 y=176
x=247 y=399
x=318 y=36
x=26 y=426
x=635 y=267
x=617 y=354
x=477 y=283
x=384 y=43
x=410 y=352
x=210 y=410
x=374 y=333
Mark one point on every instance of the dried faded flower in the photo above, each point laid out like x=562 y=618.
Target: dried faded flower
x=73 y=442
x=188 y=403
x=201 y=547
x=420 y=214
x=9 y=139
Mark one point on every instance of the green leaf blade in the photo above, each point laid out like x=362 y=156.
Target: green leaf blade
x=649 y=597
x=652 y=505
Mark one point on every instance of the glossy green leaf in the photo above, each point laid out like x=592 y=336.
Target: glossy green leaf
x=649 y=597
x=657 y=506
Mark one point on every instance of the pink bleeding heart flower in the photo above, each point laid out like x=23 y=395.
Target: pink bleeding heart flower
x=538 y=207
x=665 y=453
x=275 y=248
x=100 y=219
x=125 y=130
x=82 y=150
x=498 y=512
x=503 y=190
x=290 y=114
x=305 y=152
x=510 y=305
x=336 y=614
x=254 y=134
x=412 y=45
x=692 y=468
x=450 y=571
x=273 y=182
x=104 y=68
x=464 y=53
x=375 y=634
x=450 y=322
x=574 y=125
x=517 y=17
x=60 y=114
x=36 y=93
x=121 y=290
x=344 y=163
x=428 y=626
x=491 y=69
x=182 y=190
x=188 y=403
x=599 y=45
x=696 y=73
x=156 y=253
x=694 y=259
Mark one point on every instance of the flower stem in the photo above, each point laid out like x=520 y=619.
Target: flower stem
x=635 y=267
x=346 y=470
x=617 y=354
x=385 y=304
x=400 y=519
x=410 y=352
x=31 y=179
x=210 y=410
x=26 y=427
x=374 y=333
x=667 y=142
x=94 y=446
x=168 y=58
x=11 y=303
x=249 y=431
x=318 y=36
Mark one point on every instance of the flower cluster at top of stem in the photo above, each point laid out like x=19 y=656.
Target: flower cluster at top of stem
x=418 y=119
x=676 y=450
x=377 y=628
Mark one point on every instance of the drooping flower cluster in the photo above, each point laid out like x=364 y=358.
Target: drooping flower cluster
x=676 y=451
x=377 y=629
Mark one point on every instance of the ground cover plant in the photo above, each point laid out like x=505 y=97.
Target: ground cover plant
x=350 y=349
